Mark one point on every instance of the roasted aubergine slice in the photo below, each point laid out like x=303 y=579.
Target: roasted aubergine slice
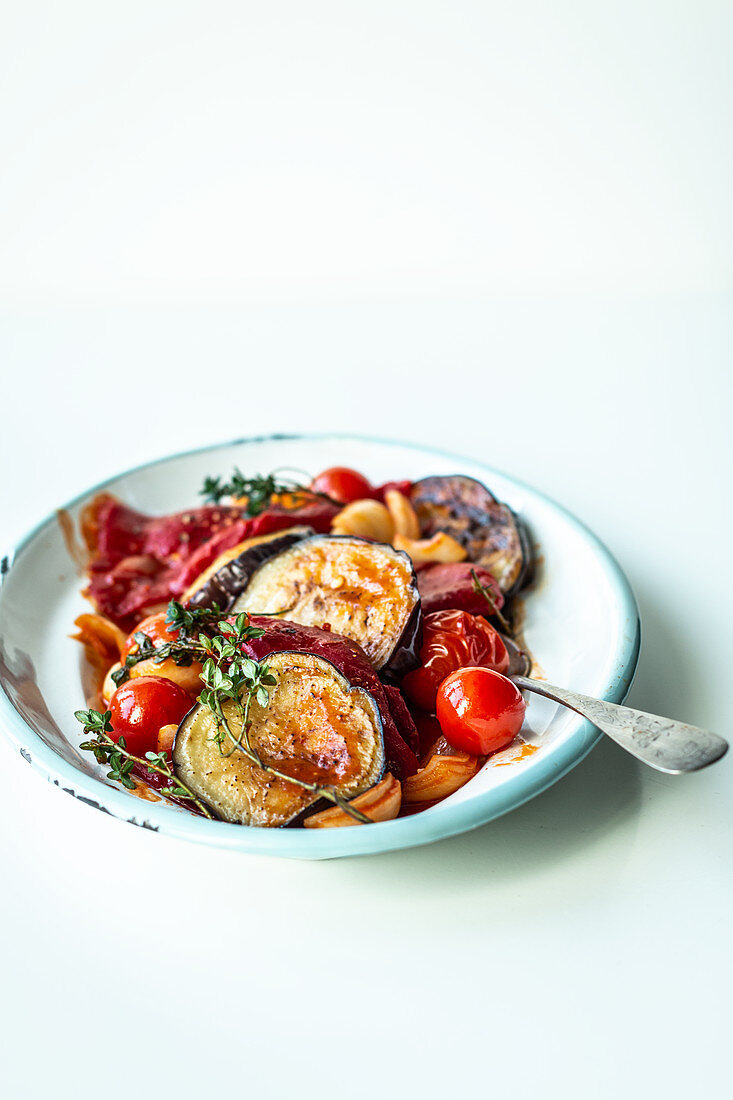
x=316 y=727
x=364 y=590
x=400 y=736
x=492 y=535
x=230 y=574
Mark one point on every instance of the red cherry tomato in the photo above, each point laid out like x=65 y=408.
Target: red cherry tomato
x=479 y=710
x=140 y=707
x=342 y=484
x=155 y=628
x=186 y=676
x=403 y=487
x=452 y=640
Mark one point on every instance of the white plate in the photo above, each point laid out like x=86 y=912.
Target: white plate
x=582 y=626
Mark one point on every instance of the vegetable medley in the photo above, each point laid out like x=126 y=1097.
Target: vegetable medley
x=317 y=655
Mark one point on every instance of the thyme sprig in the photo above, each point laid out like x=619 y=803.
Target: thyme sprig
x=184 y=620
x=121 y=761
x=258 y=491
x=230 y=676
x=230 y=680
x=185 y=649
x=486 y=591
x=182 y=653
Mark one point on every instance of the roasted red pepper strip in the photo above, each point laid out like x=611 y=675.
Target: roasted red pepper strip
x=140 y=562
x=452 y=587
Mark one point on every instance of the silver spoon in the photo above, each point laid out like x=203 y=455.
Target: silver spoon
x=661 y=743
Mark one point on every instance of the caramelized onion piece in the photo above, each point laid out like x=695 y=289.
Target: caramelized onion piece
x=100 y=634
x=441 y=776
x=166 y=737
x=381 y=803
x=440 y=548
x=103 y=642
x=404 y=516
x=365 y=519
x=109 y=687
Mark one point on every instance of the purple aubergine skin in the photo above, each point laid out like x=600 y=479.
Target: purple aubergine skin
x=465 y=509
x=231 y=580
x=405 y=654
x=351 y=661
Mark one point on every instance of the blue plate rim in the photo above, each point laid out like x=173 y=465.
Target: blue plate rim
x=417 y=829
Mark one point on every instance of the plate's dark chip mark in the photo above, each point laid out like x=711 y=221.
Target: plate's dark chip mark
x=143 y=824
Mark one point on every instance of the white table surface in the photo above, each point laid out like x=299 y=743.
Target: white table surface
x=580 y=946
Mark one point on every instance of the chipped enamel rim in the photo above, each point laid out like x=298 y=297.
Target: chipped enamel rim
x=420 y=828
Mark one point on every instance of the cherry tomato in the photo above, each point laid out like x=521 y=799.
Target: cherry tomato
x=403 y=487
x=141 y=706
x=155 y=628
x=479 y=710
x=186 y=676
x=342 y=484
x=452 y=640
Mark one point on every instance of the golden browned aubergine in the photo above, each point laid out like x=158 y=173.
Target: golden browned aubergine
x=316 y=727
x=365 y=590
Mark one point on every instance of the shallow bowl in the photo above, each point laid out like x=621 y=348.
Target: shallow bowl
x=581 y=625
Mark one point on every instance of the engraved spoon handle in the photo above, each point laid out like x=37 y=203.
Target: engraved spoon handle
x=659 y=742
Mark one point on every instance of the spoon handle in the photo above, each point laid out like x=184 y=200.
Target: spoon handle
x=662 y=743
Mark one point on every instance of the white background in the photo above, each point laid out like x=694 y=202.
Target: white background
x=503 y=229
